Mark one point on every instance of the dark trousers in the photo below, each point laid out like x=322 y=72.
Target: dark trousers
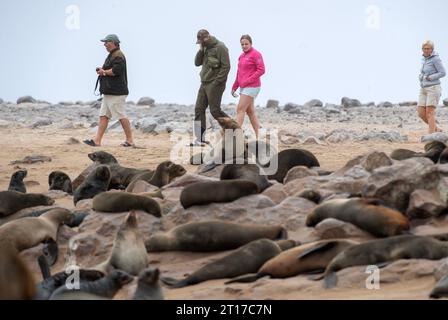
x=208 y=95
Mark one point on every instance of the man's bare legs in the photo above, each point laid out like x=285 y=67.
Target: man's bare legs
x=127 y=130
x=431 y=117
x=102 y=126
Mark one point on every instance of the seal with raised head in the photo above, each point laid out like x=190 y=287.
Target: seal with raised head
x=164 y=174
x=96 y=182
x=117 y=201
x=201 y=193
x=58 y=180
x=383 y=251
x=307 y=258
x=106 y=287
x=13 y=201
x=250 y=172
x=98 y=158
x=148 y=286
x=128 y=252
x=366 y=214
x=288 y=159
x=16 y=182
x=247 y=259
x=209 y=236
x=433 y=150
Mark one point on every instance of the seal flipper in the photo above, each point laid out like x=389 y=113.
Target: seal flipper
x=174 y=283
x=330 y=280
x=247 y=278
x=77 y=219
x=51 y=251
x=317 y=249
x=44 y=267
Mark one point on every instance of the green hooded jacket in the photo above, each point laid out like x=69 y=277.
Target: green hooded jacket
x=215 y=61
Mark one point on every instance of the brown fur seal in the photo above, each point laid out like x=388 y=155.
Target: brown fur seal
x=129 y=252
x=106 y=287
x=208 y=236
x=122 y=176
x=99 y=157
x=364 y=213
x=433 y=150
x=444 y=156
x=309 y=194
x=441 y=288
x=16 y=280
x=201 y=193
x=288 y=159
x=385 y=250
x=16 y=182
x=58 y=180
x=164 y=174
x=116 y=201
x=250 y=172
x=148 y=286
x=307 y=258
x=247 y=259
x=403 y=154
x=96 y=182
x=13 y=201
x=28 y=232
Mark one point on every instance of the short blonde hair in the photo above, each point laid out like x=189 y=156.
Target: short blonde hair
x=428 y=43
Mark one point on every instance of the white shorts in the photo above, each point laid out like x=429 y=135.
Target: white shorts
x=430 y=96
x=252 y=92
x=113 y=107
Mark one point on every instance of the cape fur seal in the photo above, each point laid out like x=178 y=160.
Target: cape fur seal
x=250 y=172
x=117 y=201
x=96 y=182
x=307 y=258
x=208 y=236
x=165 y=172
x=291 y=158
x=433 y=151
x=128 y=252
x=364 y=213
x=383 y=251
x=148 y=286
x=58 y=180
x=16 y=182
x=201 y=193
x=248 y=258
x=13 y=201
x=444 y=156
x=98 y=158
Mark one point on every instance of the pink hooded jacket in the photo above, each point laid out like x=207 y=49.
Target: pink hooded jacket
x=250 y=69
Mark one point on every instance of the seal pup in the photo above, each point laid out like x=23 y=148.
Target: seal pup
x=223 y=191
x=247 y=259
x=96 y=182
x=128 y=252
x=403 y=154
x=106 y=287
x=364 y=213
x=98 y=158
x=148 y=286
x=383 y=251
x=16 y=182
x=158 y=178
x=250 y=172
x=13 y=201
x=433 y=150
x=288 y=159
x=117 y=201
x=307 y=258
x=58 y=180
x=209 y=236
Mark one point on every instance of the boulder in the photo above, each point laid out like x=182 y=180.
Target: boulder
x=272 y=104
x=26 y=99
x=146 y=101
x=348 y=103
x=314 y=103
x=425 y=204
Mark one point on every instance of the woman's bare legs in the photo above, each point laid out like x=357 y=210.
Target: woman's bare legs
x=253 y=118
x=242 y=107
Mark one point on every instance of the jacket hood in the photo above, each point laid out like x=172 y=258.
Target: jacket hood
x=211 y=42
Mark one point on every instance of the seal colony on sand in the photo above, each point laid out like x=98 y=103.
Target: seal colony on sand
x=208 y=236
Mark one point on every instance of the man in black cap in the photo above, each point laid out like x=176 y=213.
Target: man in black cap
x=213 y=56
x=114 y=87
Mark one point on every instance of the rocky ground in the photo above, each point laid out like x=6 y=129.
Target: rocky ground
x=334 y=133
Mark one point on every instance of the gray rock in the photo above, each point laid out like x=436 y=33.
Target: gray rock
x=276 y=192
x=96 y=105
x=66 y=103
x=313 y=140
x=290 y=106
x=441 y=270
x=370 y=104
x=41 y=123
x=26 y=99
x=296 y=111
x=437 y=136
x=147 y=125
x=425 y=204
x=340 y=135
x=391 y=136
x=368 y=162
x=314 y=103
x=408 y=103
x=298 y=172
x=395 y=184
x=272 y=104
x=385 y=104
x=1 y=101
x=72 y=141
x=332 y=108
x=348 y=103
x=146 y=101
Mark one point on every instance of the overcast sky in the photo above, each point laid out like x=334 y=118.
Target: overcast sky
x=326 y=49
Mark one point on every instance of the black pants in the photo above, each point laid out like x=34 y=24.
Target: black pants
x=209 y=94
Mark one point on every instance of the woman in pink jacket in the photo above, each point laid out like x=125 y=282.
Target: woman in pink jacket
x=250 y=69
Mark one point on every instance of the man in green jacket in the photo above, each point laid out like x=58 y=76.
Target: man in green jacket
x=213 y=56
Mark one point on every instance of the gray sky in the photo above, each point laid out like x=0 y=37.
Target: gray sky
x=323 y=49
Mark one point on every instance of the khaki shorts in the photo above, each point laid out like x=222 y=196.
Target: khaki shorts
x=430 y=96
x=113 y=107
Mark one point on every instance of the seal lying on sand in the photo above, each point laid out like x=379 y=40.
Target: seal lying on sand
x=13 y=201
x=116 y=201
